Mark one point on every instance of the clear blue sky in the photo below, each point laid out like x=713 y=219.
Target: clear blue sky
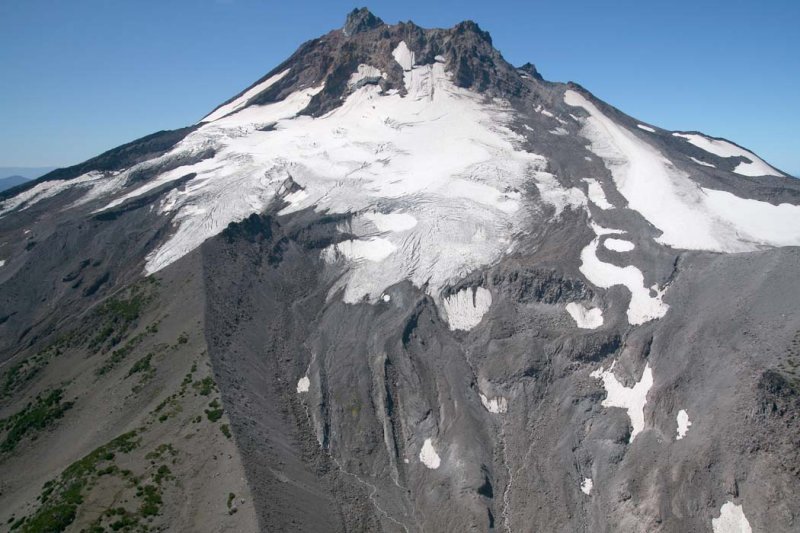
x=79 y=77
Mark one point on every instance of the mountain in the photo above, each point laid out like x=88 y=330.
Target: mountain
x=30 y=173
x=399 y=284
x=11 y=181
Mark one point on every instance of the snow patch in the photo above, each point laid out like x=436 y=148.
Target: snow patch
x=465 y=309
x=756 y=166
x=585 y=318
x=683 y=424
x=428 y=455
x=404 y=56
x=731 y=520
x=643 y=307
x=703 y=163
x=596 y=194
x=586 y=486
x=2 y=262
x=497 y=405
x=645 y=128
x=240 y=102
x=688 y=216
x=95 y=183
x=386 y=298
x=619 y=245
x=632 y=399
x=303 y=384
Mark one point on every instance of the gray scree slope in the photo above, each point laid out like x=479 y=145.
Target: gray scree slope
x=209 y=329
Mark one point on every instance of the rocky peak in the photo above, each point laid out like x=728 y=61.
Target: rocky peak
x=361 y=20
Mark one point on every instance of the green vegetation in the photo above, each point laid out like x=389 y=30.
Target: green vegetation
x=60 y=498
x=24 y=371
x=226 y=430
x=37 y=415
x=142 y=365
x=205 y=386
x=119 y=314
x=215 y=413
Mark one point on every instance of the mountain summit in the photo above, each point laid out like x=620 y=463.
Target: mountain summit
x=398 y=284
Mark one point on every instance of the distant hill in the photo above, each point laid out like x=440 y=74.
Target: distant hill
x=30 y=173
x=11 y=181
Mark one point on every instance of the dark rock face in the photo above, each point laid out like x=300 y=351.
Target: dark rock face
x=361 y=20
x=519 y=394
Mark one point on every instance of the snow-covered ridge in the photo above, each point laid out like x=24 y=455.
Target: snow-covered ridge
x=240 y=102
x=718 y=147
x=688 y=216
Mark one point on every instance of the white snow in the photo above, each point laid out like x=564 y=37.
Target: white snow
x=586 y=486
x=619 y=245
x=391 y=221
x=559 y=131
x=683 y=424
x=2 y=262
x=497 y=405
x=303 y=384
x=428 y=455
x=96 y=184
x=632 y=399
x=756 y=166
x=441 y=155
x=585 y=318
x=374 y=249
x=365 y=73
x=240 y=102
x=703 y=163
x=596 y=194
x=643 y=307
x=777 y=225
x=465 y=309
x=543 y=111
x=404 y=56
x=386 y=298
x=731 y=520
x=646 y=128
x=689 y=217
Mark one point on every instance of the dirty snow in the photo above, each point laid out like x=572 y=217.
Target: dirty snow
x=497 y=405
x=619 y=245
x=404 y=56
x=585 y=318
x=718 y=147
x=683 y=424
x=465 y=309
x=586 y=486
x=731 y=520
x=428 y=455
x=596 y=194
x=303 y=384
x=240 y=102
x=364 y=74
x=688 y=216
x=645 y=128
x=632 y=399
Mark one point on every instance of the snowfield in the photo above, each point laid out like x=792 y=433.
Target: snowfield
x=755 y=167
x=689 y=217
